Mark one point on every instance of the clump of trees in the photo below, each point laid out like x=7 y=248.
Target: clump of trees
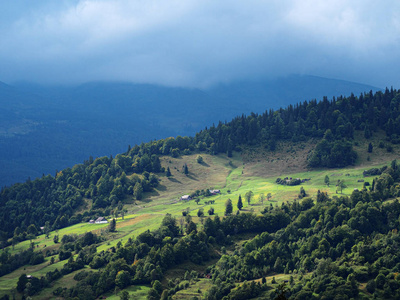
x=288 y=181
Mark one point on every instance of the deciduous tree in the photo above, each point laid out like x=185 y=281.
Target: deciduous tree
x=112 y=225
x=248 y=196
x=228 y=207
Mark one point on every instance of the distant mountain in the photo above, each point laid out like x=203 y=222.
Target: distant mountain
x=44 y=129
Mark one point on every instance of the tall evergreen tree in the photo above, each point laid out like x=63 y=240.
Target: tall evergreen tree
x=240 y=203
x=370 y=148
x=168 y=172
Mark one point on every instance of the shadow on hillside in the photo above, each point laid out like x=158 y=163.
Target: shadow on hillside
x=161 y=188
x=146 y=200
x=204 y=164
x=174 y=180
x=153 y=193
x=232 y=165
x=192 y=177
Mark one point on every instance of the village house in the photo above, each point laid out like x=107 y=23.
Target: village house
x=186 y=197
x=215 y=192
x=101 y=220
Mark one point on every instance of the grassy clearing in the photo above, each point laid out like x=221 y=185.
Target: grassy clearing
x=195 y=289
x=66 y=281
x=138 y=292
x=43 y=244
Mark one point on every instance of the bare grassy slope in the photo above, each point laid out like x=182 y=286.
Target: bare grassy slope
x=287 y=158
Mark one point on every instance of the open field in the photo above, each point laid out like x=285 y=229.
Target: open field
x=138 y=292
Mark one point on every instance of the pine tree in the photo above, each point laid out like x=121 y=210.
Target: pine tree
x=168 y=172
x=229 y=148
x=240 y=203
x=370 y=147
x=186 y=170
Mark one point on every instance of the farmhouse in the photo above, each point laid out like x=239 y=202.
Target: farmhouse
x=186 y=197
x=214 y=192
x=101 y=220
x=91 y=222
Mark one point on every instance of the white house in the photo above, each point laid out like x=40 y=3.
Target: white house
x=186 y=197
x=101 y=220
x=214 y=192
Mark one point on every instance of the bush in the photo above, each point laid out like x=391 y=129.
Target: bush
x=37 y=258
x=64 y=255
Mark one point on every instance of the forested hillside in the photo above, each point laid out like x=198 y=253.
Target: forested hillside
x=328 y=244
x=104 y=182
x=48 y=128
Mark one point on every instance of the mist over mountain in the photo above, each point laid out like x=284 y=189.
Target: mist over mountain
x=44 y=129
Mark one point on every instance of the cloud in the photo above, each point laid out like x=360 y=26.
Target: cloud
x=199 y=42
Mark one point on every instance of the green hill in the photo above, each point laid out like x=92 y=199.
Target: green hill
x=328 y=237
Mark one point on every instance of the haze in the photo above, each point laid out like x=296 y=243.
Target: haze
x=197 y=43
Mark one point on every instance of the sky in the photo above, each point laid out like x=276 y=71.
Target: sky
x=198 y=43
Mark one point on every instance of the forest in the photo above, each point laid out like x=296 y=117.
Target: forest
x=333 y=243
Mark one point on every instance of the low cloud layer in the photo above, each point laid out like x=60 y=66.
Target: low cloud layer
x=198 y=42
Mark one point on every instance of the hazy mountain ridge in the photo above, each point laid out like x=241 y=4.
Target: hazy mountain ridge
x=49 y=128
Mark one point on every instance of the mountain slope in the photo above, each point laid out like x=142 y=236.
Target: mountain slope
x=44 y=129
x=321 y=235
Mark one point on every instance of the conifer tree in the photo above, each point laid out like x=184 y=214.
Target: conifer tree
x=370 y=148
x=240 y=203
